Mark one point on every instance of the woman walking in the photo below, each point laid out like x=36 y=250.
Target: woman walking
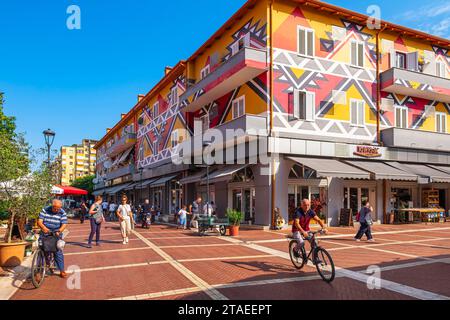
x=83 y=211
x=364 y=217
x=96 y=219
x=125 y=215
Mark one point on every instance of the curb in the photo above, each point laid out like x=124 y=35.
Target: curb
x=11 y=283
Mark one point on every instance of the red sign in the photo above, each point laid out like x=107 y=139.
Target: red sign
x=367 y=152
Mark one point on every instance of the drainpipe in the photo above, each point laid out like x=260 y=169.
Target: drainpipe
x=273 y=178
x=379 y=142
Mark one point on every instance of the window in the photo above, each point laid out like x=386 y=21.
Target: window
x=305 y=44
x=155 y=111
x=243 y=42
x=204 y=72
x=357 y=113
x=174 y=96
x=302 y=105
x=441 y=122
x=239 y=107
x=401 y=117
x=400 y=60
x=155 y=147
x=357 y=53
x=440 y=69
x=175 y=138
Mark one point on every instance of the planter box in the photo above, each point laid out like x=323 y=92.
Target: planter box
x=12 y=254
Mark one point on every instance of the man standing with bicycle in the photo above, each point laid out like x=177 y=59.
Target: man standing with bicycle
x=302 y=219
x=53 y=219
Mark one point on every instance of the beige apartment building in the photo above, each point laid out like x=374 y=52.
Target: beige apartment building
x=77 y=161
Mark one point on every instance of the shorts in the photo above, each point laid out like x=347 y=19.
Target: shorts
x=182 y=221
x=298 y=236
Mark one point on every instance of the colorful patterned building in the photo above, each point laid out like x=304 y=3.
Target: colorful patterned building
x=348 y=113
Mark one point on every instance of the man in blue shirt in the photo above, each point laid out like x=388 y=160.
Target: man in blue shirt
x=54 y=219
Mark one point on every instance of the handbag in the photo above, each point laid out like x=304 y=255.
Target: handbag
x=98 y=216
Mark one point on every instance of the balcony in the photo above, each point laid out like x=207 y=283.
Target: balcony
x=415 y=139
x=127 y=141
x=123 y=171
x=244 y=129
x=416 y=84
x=246 y=65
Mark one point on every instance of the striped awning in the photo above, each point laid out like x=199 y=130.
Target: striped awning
x=332 y=168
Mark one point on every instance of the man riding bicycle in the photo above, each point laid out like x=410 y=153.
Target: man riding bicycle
x=53 y=219
x=302 y=219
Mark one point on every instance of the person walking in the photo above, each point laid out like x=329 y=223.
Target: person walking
x=112 y=211
x=365 y=220
x=195 y=212
x=96 y=218
x=83 y=211
x=182 y=215
x=125 y=216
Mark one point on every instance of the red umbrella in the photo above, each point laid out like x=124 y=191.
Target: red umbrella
x=71 y=191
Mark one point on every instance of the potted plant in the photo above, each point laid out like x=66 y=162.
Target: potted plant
x=235 y=218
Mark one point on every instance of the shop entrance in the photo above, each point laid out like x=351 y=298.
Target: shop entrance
x=244 y=201
x=176 y=197
x=355 y=198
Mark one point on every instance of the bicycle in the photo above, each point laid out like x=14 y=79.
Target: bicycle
x=320 y=257
x=43 y=261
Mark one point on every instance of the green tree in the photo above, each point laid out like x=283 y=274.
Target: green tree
x=22 y=193
x=85 y=183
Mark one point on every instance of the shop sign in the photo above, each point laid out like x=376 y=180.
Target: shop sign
x=368 y=152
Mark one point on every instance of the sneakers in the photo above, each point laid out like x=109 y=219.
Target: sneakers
x=371 y=240
x=89 y=246
x=357 y=240
x=127 y=240
x=124 y=242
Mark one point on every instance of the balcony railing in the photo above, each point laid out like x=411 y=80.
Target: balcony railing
x=246 y=65
x=415 y=84
x=123 y=171
x=415 y=139
x=124 y=143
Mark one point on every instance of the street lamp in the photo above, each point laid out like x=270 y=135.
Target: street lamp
x=206 y=145
x=49 y=138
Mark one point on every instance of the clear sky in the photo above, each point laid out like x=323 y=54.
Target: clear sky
x=78 y=82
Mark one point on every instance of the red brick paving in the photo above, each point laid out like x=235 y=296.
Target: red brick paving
x=226 y=271
x=340 y=289
x=434 y=277
x=132 y=281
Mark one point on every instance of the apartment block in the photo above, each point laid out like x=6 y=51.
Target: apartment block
x=78 y=161
x=347 y=112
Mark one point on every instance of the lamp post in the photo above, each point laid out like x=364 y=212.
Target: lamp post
x=206 y=145
x=49 y=136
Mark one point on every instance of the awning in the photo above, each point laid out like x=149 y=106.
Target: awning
x=427 y=174
x=116 y=189
x=332 y=168
x=132 y=186
x=68 y=191
x=225 y=173
x=441 y=168
x=382 y=171
x=161 y=182
x=194 y=178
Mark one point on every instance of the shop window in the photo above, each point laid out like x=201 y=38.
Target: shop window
x=355 y=198
x=244 y=175
x=401 y=198
x=301 y=172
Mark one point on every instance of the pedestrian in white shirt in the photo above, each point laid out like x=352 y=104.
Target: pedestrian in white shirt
x=125 y=216
x=112 y=211
x=208 y=209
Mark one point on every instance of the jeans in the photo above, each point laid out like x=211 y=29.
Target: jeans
x=364 y=229
x=95 y=229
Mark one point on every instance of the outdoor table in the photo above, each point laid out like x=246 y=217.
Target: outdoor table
x=424 y=214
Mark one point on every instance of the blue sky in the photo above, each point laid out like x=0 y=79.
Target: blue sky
x=78 y=82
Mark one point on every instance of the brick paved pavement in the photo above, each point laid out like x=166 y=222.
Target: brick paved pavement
x=166 y=263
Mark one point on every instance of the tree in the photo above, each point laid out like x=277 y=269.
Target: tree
x=22 y=193
x=85 y=183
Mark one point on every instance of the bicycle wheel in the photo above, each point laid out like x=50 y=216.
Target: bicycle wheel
x=38 y=269
x=297 y=259
x=223 y=230
x=324 y=264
